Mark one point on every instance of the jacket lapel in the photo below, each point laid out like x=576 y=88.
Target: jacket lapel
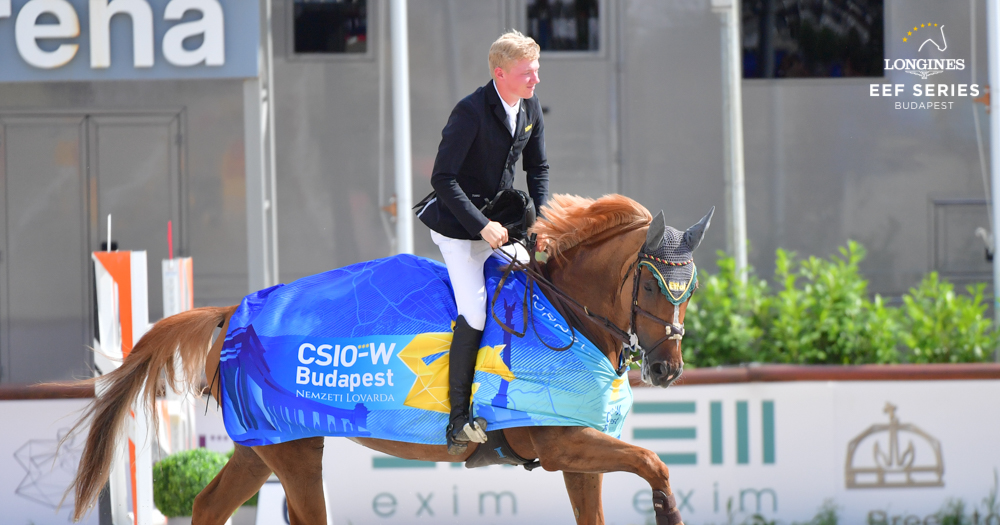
x=494 y=100
x=521 y=121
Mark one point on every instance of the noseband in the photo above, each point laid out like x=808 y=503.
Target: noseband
x=631 y=351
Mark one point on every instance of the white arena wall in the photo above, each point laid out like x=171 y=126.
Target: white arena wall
x=777 y=448
x=32 y=478
x=811 y=428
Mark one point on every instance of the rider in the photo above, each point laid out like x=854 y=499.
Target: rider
x=485 y=135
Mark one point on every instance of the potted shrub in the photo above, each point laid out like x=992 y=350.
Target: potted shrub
x=179 y=477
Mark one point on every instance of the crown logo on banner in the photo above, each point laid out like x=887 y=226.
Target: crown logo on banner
x=902 y=456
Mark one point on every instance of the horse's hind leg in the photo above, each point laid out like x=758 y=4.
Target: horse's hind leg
x=299 y=466
x=584 y=489
x=242 y=476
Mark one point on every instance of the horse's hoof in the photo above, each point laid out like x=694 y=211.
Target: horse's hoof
x=665 y=508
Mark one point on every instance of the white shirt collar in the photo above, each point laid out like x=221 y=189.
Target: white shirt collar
x=510 y=110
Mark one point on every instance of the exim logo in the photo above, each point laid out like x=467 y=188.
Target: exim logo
x=682 y=439
x=927 y=36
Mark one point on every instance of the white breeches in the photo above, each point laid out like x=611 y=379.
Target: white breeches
x=465 y=259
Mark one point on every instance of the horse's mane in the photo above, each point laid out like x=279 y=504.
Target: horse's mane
x=570 y=220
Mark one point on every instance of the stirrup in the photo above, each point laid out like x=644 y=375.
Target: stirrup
x=475 y=430
x=458 y=442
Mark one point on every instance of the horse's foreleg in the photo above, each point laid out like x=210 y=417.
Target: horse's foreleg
x=242 y=476
x=299 y=466
x=579 y=449
x=584 y=489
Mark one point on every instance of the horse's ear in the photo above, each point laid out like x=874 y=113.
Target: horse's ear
x=654 y=237
x=694 y=234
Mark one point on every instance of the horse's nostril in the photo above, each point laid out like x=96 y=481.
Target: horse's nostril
x=659 y=370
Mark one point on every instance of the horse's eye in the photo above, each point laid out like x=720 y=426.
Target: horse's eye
x=648 y=286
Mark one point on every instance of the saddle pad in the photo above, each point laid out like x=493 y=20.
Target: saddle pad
x=362 y=351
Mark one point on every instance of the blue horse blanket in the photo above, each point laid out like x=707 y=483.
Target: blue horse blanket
x=362 y=351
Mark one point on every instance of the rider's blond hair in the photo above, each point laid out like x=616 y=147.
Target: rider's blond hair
x=511 y=47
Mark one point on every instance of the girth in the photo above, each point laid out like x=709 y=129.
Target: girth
x=497 y=451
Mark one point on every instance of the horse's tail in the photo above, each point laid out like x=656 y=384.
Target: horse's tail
x=186 y=336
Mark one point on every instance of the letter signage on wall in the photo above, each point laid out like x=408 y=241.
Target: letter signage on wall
x=81 y=40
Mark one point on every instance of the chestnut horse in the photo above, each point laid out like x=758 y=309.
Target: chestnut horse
x=593 y=249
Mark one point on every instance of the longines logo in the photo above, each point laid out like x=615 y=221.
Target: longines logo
x=890 y=465
x=925 y=40
x=925 y=67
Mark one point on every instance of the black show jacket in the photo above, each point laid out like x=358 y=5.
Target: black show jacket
x=476 y=160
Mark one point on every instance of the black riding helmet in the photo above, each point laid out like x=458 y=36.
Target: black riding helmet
x=514 y=210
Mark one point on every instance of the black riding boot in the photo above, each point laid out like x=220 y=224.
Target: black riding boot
x=462 y=367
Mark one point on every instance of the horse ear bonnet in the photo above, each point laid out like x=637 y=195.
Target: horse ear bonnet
x=694 y=234
x=668 y=254
x=655 y=234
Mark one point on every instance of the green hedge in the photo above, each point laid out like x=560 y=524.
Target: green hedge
x=179 y=477
x=820 y=312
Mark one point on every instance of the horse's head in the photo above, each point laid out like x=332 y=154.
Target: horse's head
x=665 y=278
x=634 y=280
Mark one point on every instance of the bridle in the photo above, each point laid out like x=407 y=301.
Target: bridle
x=631 y=351
x=674 y=330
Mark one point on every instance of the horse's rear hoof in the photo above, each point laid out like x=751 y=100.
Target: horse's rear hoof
x=665 y=508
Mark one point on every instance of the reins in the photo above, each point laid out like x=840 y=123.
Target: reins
x=628 y=339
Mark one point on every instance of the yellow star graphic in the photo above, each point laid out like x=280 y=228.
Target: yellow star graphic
x=489 y=360
x=430 y=389
x=615 y=386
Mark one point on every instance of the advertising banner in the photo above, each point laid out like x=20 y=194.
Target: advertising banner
x=892 y=452
x=81 y=40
